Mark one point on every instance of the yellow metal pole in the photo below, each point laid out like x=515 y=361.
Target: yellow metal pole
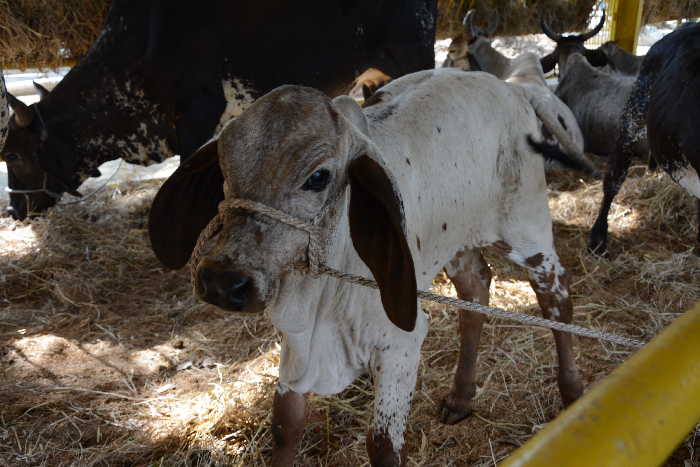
x=634 y=417
x=628 y=20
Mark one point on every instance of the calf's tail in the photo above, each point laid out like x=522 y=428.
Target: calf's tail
x=552 y=152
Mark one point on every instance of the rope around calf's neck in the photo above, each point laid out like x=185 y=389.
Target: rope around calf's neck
x=316 y=267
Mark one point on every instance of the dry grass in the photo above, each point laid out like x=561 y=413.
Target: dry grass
x=108 y=360
x=40 y=33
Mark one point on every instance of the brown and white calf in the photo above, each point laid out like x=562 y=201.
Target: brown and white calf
x=435 y=168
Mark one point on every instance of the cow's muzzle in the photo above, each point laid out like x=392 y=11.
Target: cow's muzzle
x=226 y=289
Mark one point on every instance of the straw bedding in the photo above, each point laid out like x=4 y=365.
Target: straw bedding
x=107 y=359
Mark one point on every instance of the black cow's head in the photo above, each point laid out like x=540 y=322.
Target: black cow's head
x=34 y=185
x=567 y=45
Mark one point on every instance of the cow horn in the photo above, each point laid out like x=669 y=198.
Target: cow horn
x=595 y=30
x=23 y=114
x=493 y=26
x=468 y=24
x=548 y=32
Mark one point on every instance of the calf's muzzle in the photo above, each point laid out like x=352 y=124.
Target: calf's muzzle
x=226 y=289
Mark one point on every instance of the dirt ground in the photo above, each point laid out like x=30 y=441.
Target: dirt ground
x=107 y=359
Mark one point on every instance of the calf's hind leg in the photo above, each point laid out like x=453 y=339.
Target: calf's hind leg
x=550 y=282
x=471 y=277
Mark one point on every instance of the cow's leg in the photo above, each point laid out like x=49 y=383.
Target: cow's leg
x=614 y=178
x=633 y=132
x=288 y=420
x=394 y=370
x=528 y=234
x=471 y=277
x=550 y=282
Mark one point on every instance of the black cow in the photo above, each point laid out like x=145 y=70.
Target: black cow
x=569 y=44
x=164 y=76
x=4 y=111
x=664 y=105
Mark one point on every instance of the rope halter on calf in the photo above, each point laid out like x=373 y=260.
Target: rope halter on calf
x=316 y=267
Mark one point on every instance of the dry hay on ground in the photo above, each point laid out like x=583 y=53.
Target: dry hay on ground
x=106 y=358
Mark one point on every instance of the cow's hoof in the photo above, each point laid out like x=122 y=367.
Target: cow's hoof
x=598 y=248
x=368 y=83
x=451 y=414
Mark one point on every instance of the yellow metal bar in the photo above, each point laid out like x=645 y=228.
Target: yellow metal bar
x=628 y=20
x=613 y=8
x=634 y=417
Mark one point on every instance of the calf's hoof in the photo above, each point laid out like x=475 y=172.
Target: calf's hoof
x=571 y=388
x=452 y=412
x=381 y=451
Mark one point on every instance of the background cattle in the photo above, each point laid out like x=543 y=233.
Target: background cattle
x=165 y=76
x=619 y=59
x=569 y=44
x=4 y=111
x=665 y=105
x=597 y=99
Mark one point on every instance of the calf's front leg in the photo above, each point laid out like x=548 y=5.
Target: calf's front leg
x=288 y=420
x=394 y=370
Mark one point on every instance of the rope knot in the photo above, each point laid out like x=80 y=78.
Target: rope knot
x=315 y=250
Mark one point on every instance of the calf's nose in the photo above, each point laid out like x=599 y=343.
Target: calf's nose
x=225 y=289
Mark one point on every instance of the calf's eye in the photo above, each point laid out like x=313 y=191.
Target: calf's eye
x=11 y=157
x=318 y=181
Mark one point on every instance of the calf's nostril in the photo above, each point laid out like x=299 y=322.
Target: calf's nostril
x=237 y=291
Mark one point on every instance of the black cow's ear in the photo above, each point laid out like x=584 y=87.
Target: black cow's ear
x=184 y=205
x=548 y=62
x=376 y=228
x=596 y=57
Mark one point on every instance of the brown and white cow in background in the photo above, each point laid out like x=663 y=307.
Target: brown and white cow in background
x=437 y=166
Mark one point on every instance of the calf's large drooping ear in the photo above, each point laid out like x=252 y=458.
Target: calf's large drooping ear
x=376 y=227
x=184 y=205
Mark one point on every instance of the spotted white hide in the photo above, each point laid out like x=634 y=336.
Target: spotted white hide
x=525 y=71
x=454 y=147
x=4 y=111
